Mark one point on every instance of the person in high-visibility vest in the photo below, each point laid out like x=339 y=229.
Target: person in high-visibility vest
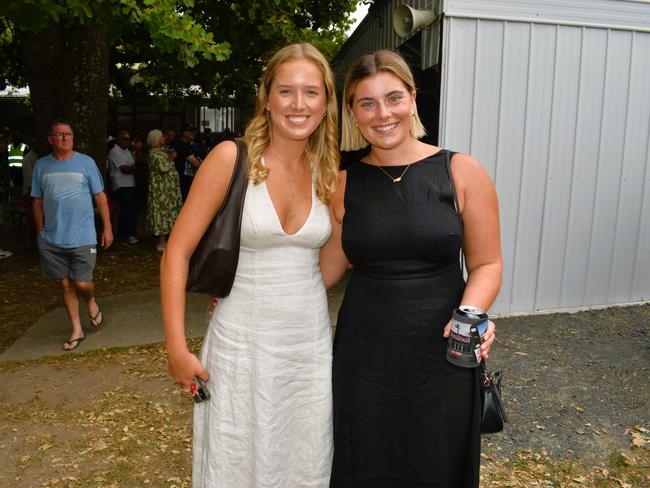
x=4 y=188
x=16 y=152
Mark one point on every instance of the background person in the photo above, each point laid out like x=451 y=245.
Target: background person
x=5 y=189
x=404 y=416
x=267 y=351
x=164 y=196
x=121 y=168
x=64 y=186
x=187 y=161
x=29 y=161
x=141 y=174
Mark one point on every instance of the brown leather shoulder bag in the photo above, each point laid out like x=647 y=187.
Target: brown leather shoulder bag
x=214 y=262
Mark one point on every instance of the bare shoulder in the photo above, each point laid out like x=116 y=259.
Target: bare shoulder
x=468 y=171
x=213 y=176
x=223 y=154
x=466 y=163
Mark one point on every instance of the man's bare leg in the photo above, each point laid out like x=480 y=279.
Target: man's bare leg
x=71 y=303
x=87 y=290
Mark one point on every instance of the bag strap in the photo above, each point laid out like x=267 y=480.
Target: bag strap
x=448 y=155
x=241 y=165
x=238 y=172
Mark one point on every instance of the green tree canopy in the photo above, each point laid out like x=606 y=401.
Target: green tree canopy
x=253 y=30
x=69 y=51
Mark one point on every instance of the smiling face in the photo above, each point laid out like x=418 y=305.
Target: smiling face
x=382 y=107
x=296 y=100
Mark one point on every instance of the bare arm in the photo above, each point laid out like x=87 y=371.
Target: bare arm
x=37 y=208
x=204 y=200
x=102 y=206
x=481 y=237
x=482 y=234
x=333 y=261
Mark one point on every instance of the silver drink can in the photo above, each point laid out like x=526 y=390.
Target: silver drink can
x=468 y=324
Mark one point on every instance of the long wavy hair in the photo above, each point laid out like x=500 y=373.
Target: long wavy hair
x=368 y=65
x=322 y=144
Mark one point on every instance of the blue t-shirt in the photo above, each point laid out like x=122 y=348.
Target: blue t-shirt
x=67 y=188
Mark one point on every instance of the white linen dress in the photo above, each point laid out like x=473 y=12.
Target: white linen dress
x=268 y=351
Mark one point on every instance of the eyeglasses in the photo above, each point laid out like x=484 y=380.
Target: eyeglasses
x=61 y=134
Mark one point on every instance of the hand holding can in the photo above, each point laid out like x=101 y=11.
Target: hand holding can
x=468 y=324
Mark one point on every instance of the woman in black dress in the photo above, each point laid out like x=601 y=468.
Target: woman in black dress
x=404 y=416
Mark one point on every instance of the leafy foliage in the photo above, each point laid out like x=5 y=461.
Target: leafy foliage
x=180 y=48
x=165 y=24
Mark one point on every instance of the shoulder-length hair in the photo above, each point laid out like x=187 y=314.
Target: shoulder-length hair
x=322 y=144
x=153 y=137
x=368 y=65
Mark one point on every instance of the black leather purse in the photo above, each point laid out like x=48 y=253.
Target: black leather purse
x=493 y=413
x=214 y=262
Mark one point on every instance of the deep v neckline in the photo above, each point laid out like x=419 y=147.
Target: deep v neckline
x=277 y=216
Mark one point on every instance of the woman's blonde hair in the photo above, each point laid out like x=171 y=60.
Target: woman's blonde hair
x=368 y=65
x=153 y=137
x=322 y=144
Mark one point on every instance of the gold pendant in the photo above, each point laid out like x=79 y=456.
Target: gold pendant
x=394 y=180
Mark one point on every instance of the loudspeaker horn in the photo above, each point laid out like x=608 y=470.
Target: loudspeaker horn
x=407 y=20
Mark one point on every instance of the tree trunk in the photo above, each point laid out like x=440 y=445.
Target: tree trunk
x=49 y=87
x=67 y=72
x=89 y=77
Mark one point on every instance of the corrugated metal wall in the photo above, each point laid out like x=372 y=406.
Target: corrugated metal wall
x=560 y=117
x=619 y=14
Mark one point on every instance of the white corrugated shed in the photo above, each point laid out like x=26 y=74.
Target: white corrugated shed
x=559 y=113
x=553 y=97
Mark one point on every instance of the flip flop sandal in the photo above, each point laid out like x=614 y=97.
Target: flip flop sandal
x=93 y=318
x=73 y=344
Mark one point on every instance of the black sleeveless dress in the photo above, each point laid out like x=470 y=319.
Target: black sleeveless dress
x=403 y=416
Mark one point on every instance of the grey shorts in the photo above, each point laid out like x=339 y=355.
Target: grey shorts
x=76 y=263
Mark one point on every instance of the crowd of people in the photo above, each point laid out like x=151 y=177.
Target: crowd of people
x=375 y=406
x=140 y=176
x=130 y=164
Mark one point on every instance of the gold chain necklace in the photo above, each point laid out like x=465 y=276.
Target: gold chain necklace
x=399 y=178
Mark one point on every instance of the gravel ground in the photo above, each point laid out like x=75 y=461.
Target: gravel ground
x=573 y=383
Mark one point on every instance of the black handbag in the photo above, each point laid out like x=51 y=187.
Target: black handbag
x=493 y=413
x=214 y=262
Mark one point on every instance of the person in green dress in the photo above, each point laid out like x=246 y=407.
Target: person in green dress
x=164 y=197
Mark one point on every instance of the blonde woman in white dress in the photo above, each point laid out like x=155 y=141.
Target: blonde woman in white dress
x=266 y=355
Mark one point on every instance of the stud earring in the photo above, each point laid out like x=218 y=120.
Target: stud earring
x=325 y=114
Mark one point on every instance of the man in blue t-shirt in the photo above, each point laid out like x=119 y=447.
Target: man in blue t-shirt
x=64 y=185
